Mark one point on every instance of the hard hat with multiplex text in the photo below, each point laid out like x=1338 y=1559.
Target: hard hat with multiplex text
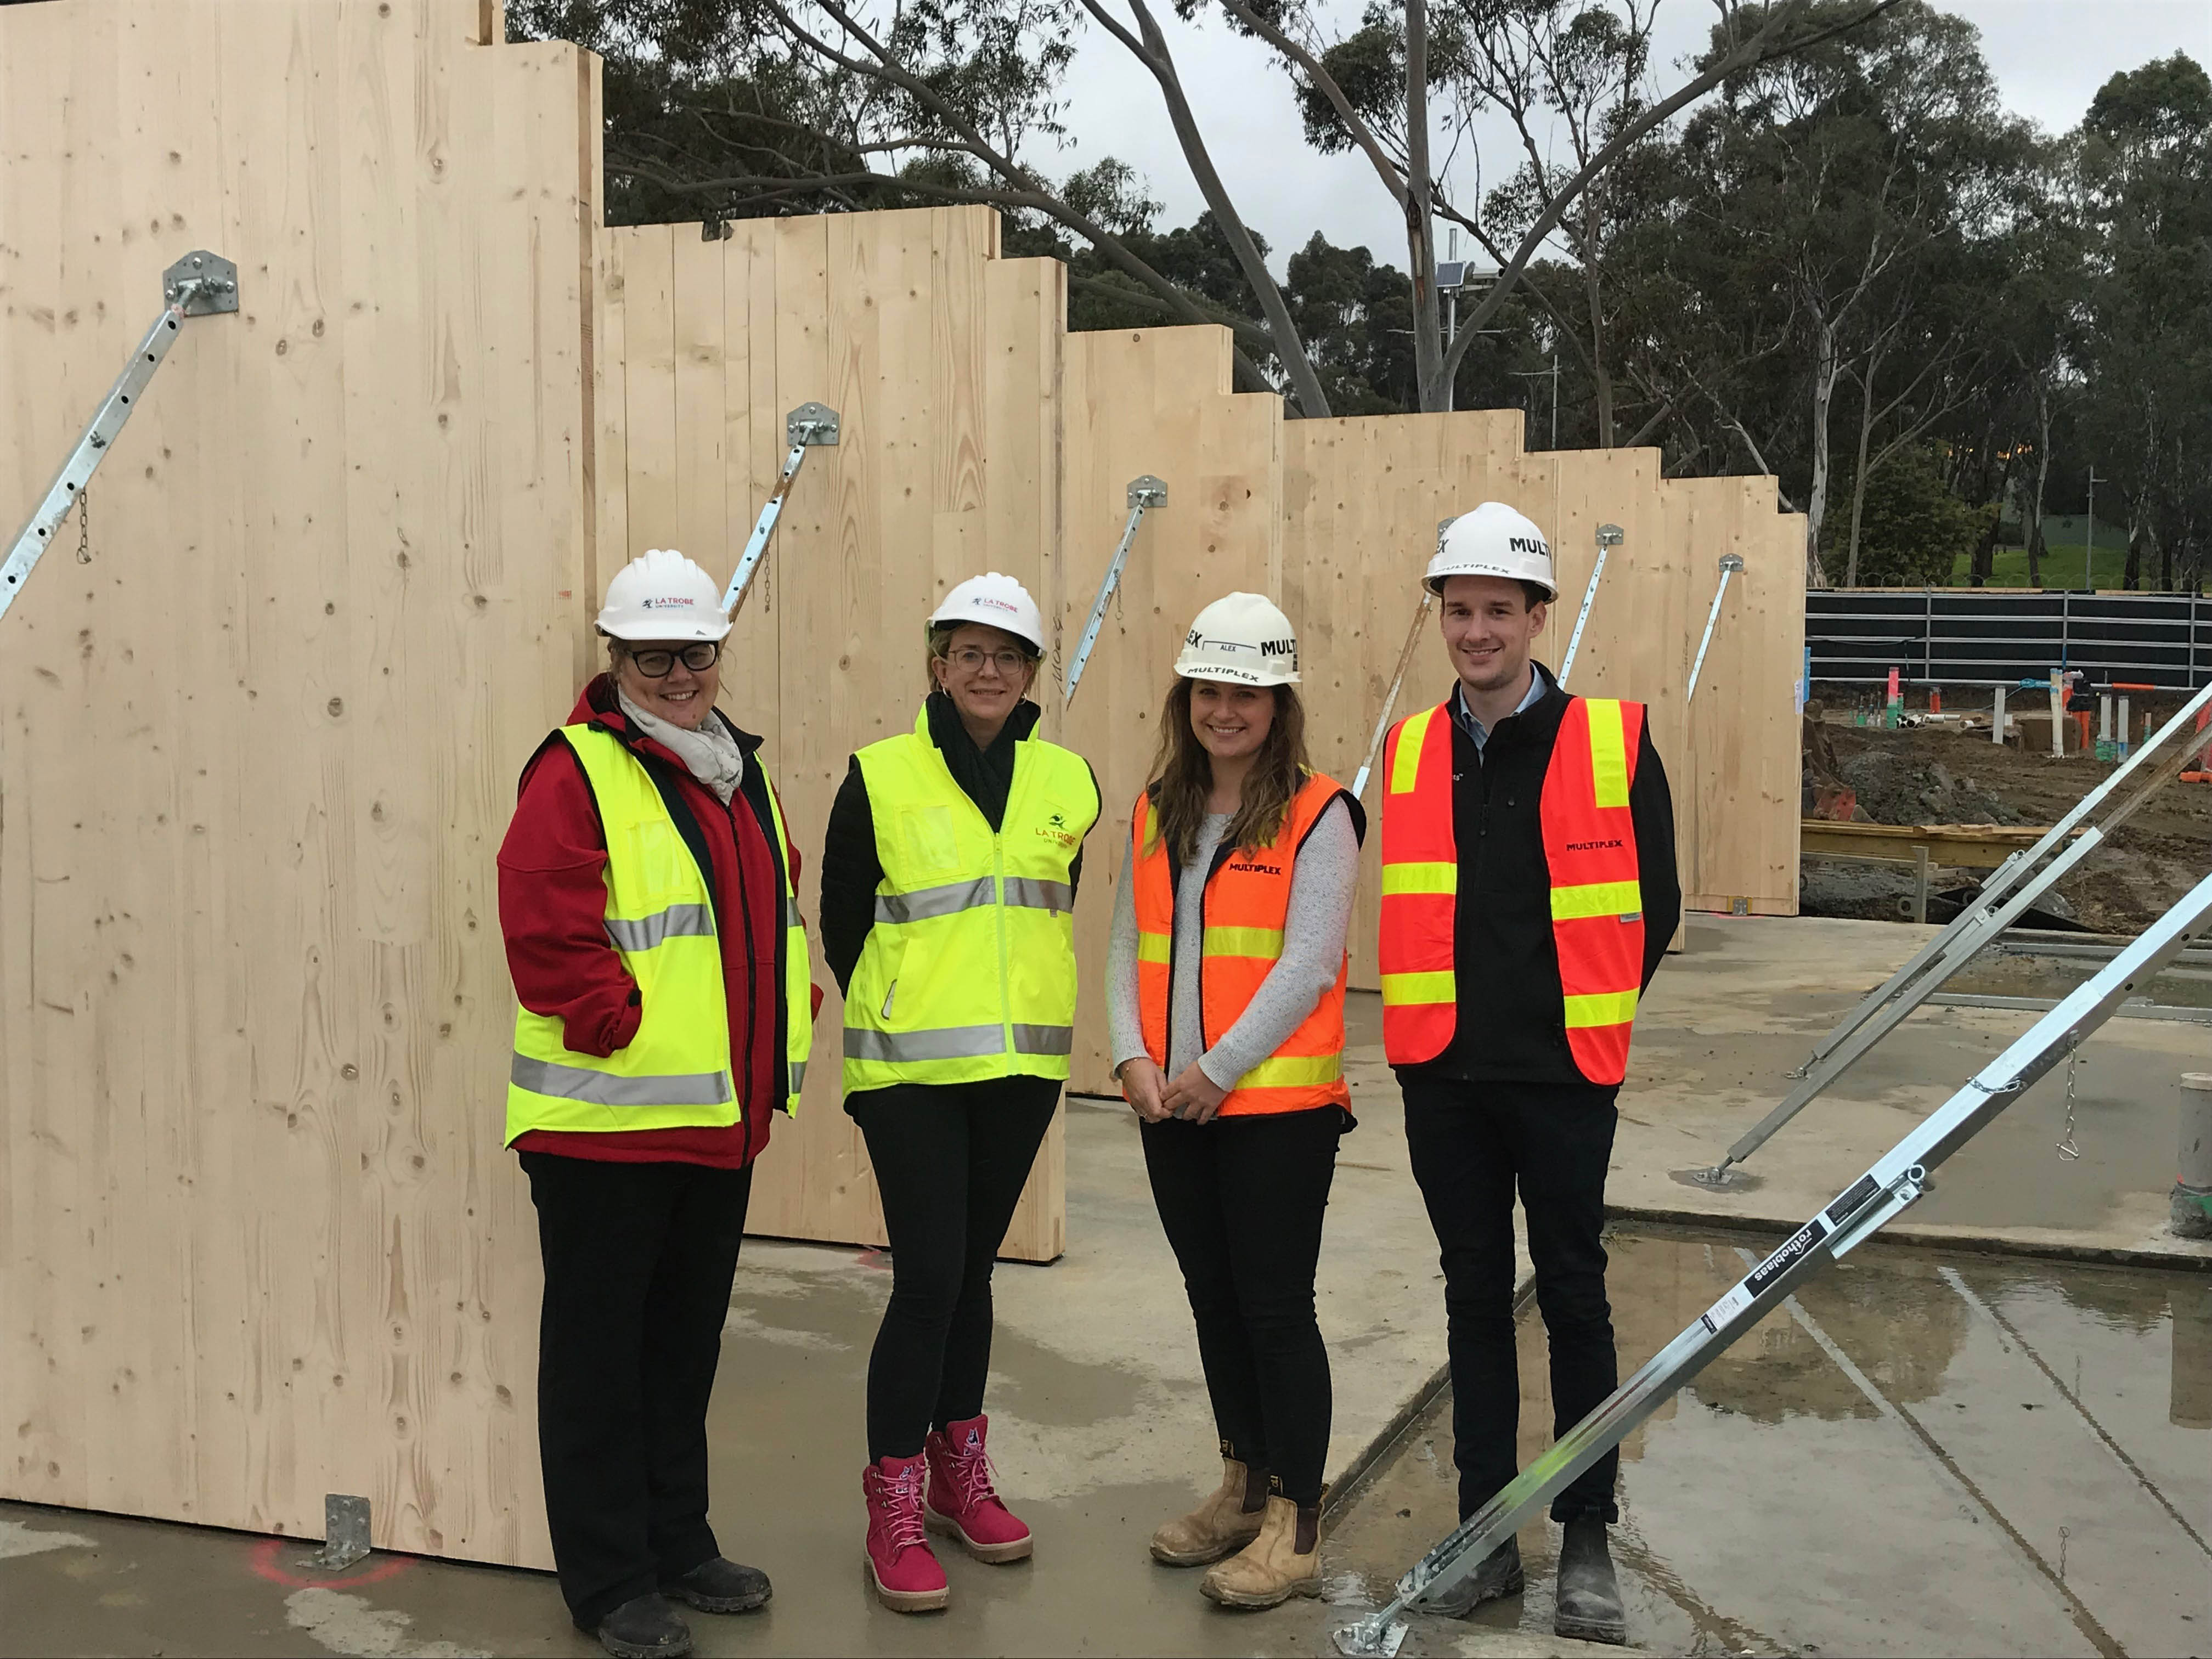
x=1494 y=540
x=1240 y=639
x=995 y=601
x=662 y=595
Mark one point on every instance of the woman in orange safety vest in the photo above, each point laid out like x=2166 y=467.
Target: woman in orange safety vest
x=1225 y=987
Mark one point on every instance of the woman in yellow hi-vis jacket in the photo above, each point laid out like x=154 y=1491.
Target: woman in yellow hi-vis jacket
x=948 y=881
x=647 y=890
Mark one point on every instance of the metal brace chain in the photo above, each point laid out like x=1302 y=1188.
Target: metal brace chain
x=2067 y=1149
x=84 y=526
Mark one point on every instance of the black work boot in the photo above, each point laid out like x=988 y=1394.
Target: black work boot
x=645 y=1628
x=1589 y=1601
x=719 y=1586
x=1497 y=1578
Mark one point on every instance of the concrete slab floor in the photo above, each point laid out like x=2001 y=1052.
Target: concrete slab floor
x=1727 y=1019
x=1924 y=1453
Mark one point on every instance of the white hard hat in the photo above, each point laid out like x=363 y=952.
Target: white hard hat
x=662 y=595
x=1243 y=639
x=995 y=601
x=1494 y=540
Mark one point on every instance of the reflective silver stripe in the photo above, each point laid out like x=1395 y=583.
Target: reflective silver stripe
x=798 y=1075
x=924 y=902
x=946 y=1042
x=543 y=1077
x=676 y=921
x=1044 y=1039
x=1031 y=894
x=791 y=916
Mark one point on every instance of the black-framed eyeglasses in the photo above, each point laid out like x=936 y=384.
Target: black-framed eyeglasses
x=657 y=664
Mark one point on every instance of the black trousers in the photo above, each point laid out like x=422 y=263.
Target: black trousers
x=1471 y=1143
x=1241 y=1200
x=950 y=1161
x=638 y=1262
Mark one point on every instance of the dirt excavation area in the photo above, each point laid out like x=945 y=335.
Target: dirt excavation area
x=1939 y=774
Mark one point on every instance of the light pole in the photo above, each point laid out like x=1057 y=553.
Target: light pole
x=1538 y=375
x=2089 y=552
x=1453 y=274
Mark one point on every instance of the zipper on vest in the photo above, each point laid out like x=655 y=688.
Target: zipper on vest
x=752 y=967
x=1005 y=973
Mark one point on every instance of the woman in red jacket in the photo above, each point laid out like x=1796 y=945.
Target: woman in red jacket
x=646 y=893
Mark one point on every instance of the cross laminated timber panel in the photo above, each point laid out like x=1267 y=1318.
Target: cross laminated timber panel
x=943 y=363
x=1333 y=519
x=259 y=1241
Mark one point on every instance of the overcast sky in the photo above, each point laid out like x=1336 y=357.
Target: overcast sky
x=2049 y=56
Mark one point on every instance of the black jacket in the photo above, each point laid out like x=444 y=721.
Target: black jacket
x=850 y=869
x=1511 y=1026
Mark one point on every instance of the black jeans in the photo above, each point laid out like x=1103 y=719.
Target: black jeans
x=1241 y=1200
x=951 y=1160
x=1470 y=1142
x=638 y=1263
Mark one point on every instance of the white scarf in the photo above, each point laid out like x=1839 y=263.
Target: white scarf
x=711 y=752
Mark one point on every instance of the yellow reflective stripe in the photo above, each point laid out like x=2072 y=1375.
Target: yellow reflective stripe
x=1294 y=1072
x=1595 y=898
x=1406 y=765
x=1597 y=1008
x=1417 y=877
x=1608 y=752
x=1263 y=942
x=1154 y=947
x=1407 y=990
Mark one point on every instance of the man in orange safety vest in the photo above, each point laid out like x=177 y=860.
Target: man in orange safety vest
x=1529 y=892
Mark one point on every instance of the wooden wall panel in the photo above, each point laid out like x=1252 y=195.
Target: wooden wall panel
x=259 y=1241
x=1150 y=401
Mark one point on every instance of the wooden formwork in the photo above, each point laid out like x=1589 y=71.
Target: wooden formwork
x=259 y=1241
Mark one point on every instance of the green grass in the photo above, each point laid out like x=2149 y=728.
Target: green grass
x=2065 y=540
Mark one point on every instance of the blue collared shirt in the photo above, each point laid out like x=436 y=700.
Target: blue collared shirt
x=1477 y=733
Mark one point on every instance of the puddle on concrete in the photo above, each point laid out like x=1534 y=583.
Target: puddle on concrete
x=1927 y=1454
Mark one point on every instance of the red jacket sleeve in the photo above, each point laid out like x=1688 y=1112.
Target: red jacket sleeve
x=553 y=908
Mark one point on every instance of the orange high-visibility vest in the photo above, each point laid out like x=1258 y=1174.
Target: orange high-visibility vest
x=1589 y=847
x=1246 y=899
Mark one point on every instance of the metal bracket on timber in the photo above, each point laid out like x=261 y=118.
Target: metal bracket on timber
x=1145 y=491
x=807 y=426
x=345 y=1533
x=201 y=284
x=2011 y=888
x=1896 y=1180
x=1731 y=564
x=1609 y=537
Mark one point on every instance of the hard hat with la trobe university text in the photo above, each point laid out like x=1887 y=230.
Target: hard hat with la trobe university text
x=662 y=595
x=995 y=601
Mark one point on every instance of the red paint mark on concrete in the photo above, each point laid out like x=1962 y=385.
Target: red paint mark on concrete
x=263 y=1559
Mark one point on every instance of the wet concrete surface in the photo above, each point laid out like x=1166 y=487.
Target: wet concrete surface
x=1924 y=1453
x=1726 y=1020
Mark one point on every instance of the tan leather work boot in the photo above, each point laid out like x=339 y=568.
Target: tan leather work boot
x=1272 y=1568
x=1219 y=1526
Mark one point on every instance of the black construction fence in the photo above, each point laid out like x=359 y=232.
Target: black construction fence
x=1989 y=636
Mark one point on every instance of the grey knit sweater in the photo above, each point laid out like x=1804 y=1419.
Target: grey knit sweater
x=1321 y=883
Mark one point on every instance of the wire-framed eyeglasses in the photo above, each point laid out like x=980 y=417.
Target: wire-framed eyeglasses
x=971 y=659
x=657 y=664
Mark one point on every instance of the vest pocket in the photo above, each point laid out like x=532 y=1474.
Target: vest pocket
x=927 y=835
x=654 y=853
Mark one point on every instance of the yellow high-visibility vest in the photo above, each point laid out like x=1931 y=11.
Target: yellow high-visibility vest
x=675 y=1072
x=969 y=970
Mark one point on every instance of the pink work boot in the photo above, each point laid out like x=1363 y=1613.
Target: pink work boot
x=962 y=1500
x=901 y=1564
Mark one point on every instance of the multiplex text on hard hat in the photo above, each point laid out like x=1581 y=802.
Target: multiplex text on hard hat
x=1241 y=639
x=662 y=595
x=1494 y=540
x=995 y=601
